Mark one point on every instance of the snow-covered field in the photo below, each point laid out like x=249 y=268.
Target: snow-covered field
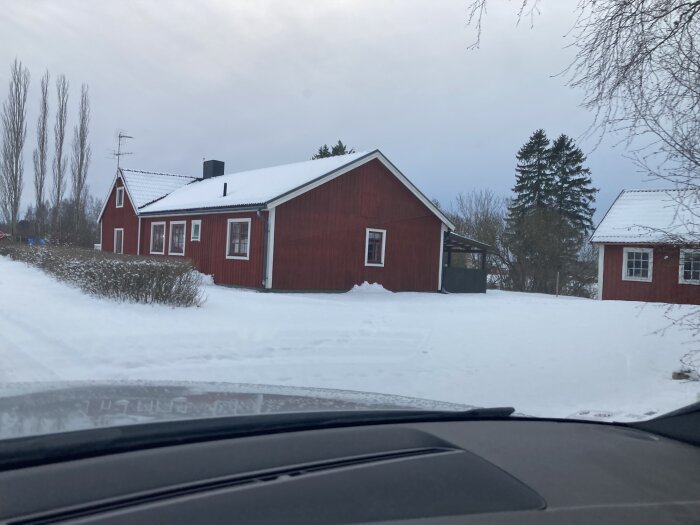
x=546 y=356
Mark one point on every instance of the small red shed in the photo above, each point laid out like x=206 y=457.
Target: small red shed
x=324 y=224
x=649 y=247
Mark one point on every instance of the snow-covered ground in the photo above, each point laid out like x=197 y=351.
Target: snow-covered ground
x=546 y=356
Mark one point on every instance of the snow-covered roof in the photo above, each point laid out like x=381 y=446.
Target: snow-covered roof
x=271 y=186
x=252 y=187
x=651 y=216
x=144 y=187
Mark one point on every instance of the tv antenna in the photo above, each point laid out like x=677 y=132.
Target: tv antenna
x=119 y=153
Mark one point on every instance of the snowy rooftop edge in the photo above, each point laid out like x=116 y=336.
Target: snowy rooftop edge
x=250 y=187
x=653 y=216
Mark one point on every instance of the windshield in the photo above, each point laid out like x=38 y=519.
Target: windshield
x=249 y=208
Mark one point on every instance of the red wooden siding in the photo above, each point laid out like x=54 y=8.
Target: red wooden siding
x=320 y=235
x=209 y=253
x=124 y=217
x=663 y=288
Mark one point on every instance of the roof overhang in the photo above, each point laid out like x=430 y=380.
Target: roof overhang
x=117 y=175
x=310 y=185
x=373 y=155
x=460 y=244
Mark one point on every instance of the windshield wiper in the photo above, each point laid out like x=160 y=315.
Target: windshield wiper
x=66 y=446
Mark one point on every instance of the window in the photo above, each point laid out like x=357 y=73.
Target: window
x=237 y=239
x=196 y=230
x=637 y=264
x=118 y=240
x=158 y=238
x=690 y=267
x=120 y=197
x=177 y=238
x=375 y=242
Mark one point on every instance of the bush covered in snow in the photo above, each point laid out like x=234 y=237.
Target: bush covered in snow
x=120 y=277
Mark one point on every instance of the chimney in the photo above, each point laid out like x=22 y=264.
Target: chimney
x=212 y=168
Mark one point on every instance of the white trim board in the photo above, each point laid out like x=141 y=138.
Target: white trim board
x=228 y=239
x=383 y=232
x=198 y=222
x=629 y=249
x=351 y=166
x=184 y=237
x=681 y=263
x=601 y=270
x=150 y=240
x=117 y=175
x=114 y=239
x=270 y=247
x=443 y=229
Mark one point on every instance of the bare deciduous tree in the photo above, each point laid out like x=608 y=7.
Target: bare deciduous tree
x=80 y=160
x=14 y=133
x=39 y=156
x=638 y=64
x=59 y=161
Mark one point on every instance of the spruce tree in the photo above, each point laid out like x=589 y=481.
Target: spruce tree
x=338 y=149
x=534 y=184
x=574 y=195
x=528 y=215
x=550 y=215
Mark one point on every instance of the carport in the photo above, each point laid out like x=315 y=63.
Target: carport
x=463 y=264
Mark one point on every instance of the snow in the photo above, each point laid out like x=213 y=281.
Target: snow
x=546 y=356
x=651 y=216
x=146 y=186
x=371 y=288
x=250 y=187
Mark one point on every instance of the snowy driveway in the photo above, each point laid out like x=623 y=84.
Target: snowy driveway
x=543 y=355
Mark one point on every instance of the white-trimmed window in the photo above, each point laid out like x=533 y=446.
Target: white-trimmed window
x=118 y=240
x=120 y=197
x=158 y=238
x=196 y=230
x=238 y=239
x=637 y=264
x=375 y=245
x=690 y=267
x=177 y=238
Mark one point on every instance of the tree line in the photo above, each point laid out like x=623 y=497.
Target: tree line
x=62 y=211
x=539 y=235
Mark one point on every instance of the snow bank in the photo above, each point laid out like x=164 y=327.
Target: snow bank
x=544 y=355
x=366 y=287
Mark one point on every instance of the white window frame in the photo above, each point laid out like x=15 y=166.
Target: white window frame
x=228 y=239
x=153 y=225
x=121 y=252
x=628 y=250
x=184 y=237
x=681 y=280
x=198 y=223
x=120 y=192
x=375 y=230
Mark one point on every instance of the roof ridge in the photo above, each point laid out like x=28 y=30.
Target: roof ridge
x=158 y=173
x=655 y=190
x=360 y=154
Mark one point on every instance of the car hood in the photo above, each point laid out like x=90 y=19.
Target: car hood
x=41 y=408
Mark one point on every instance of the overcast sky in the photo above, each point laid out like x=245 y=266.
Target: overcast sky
x=259 y=83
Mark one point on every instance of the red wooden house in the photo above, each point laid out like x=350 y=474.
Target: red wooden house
x=649 y=247
x=324 y=224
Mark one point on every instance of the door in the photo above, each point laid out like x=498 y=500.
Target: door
x=118 y=240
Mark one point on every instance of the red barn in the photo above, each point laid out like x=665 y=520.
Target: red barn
x=649 y=247
x=324 y=224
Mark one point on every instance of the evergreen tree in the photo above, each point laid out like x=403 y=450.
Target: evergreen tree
x=534 y=184
x=338 y=149
x=574 y=195
x=550 y=215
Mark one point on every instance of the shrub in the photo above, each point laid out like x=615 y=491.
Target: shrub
x=120 y=277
